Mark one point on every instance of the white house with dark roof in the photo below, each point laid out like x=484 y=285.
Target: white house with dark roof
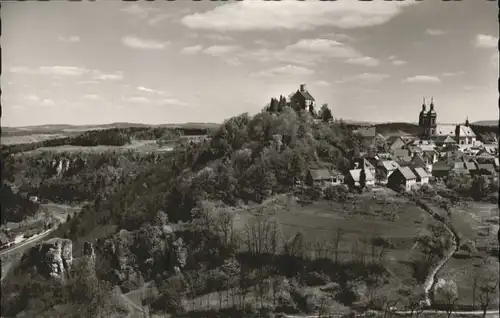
x=386 y=168
x=354 y=177
x=422 y=175
x=402 y=178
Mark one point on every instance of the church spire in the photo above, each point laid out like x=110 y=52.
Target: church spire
x=467 y=122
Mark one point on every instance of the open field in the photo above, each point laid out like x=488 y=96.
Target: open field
x=26 y=139
x=472 y=223
x=319 y=221
x=136 y=145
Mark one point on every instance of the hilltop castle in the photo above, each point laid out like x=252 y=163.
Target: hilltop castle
x=427 y=121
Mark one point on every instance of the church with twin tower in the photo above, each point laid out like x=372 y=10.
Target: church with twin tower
x=427 y=121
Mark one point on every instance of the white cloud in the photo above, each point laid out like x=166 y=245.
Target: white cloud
x=173 y=102
x=486 y=41
x=288 y=70
x=137 y=99
x=219 y=50
x=295 y=15
x=47 y=102
x=72 y=39
x=144 y=44
x=160 y=17
x=452 y=74
x=139 y=11
x=91 y=96
x=365 y=60
x=219 y=37
x=32 y=98
x=398 y=62
x=150 y=90
x=98 y=75
x=365 y=77
x=306 y=52
x=339 y=37
x=322 y=83
x=435 y=32
x=63 y=70
x=422 y=79
x=191 y=49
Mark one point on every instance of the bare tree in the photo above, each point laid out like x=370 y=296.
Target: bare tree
x=261 y=236
x=336 y=243
x=487 y=290
x=320 y=248
x=446 y=294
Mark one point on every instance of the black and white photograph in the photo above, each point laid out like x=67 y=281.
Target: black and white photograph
x=251 y=158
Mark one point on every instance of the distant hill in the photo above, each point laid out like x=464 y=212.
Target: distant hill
x=61 y=128
x=486 y=123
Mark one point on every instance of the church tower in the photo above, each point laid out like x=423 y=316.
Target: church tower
x=431 y=120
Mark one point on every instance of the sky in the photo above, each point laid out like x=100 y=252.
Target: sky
x=188 y=61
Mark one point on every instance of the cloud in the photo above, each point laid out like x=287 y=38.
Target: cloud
x=452 y=74
x=365 y=77
x=139 y=11
x=47 y=102
x=32 y=98
x=173 y=102
x=98 y=75
x=398 y=62
x=91 y=96
x=422 y=79
x=219 y=37
x=72 y=39
x=72 y=71
x=435 y=32
x=339 y=37
x=288 y=70
x=294 y=15
x=143 y=44
x=486 y=41
x=365 y=60
x=137 y=99
x=219 y=50
x=191 y=49
x=150 y=90
x=307 y=52
x=322 y=83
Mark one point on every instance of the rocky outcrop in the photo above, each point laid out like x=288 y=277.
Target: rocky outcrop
x=52 y=258
x=89 y=254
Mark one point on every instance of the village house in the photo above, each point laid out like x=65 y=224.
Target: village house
x=402 y=178
x=364 y=163
x=383 y=156
x=471 y=167
x=302 y=99
x=384 y=169
x=486 y=169
x=354 y=177
x=323 y=178
x=420 y=160
x=464 y=134
x=441 y=169
x=444 y=140
x=422 y=176
x=396 y=142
